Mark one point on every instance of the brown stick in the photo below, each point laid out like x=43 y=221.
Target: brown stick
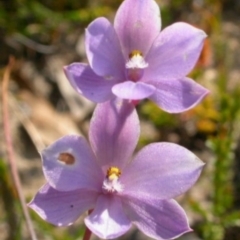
x=10 y=152
x=87 y=234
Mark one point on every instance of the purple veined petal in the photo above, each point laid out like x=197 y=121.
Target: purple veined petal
x=174 y=52
x=133 y=90
x=158 y=219
x=161 y=170
x=178 y=95
x=103 y=50
x=114 y=132
x=87 y=83
x=69 y=164
x=137 y=24
x=108 y=219
x=62 y=208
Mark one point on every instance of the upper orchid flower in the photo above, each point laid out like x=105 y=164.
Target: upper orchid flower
x=134 y=60
x=121 y=192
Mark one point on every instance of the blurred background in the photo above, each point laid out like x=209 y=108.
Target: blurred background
x=45 y=35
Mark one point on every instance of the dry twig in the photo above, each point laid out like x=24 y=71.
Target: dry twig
x=10 y=152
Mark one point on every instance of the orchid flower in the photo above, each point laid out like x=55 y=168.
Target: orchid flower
x=122 y=190
x=133 y=60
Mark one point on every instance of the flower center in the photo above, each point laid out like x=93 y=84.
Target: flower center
x=135 y=65
x=111 y=182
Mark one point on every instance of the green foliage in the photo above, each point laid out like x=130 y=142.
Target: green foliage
x=159 y=118
x=31 y=17
x=8 y=197
x=48 y=231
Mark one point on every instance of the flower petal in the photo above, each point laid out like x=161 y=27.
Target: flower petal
x=69 y=164
x=133 y=90
x=161 y=170
x=108 y=219
x=103 y=49
x=175 y=52
x=137 y=24
x=62 y=208
x=87 y=83
x=114 y=131
x=158 y=219
x=175 y=96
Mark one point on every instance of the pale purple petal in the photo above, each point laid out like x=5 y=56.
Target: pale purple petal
x=137 y=24
x=133 y=90
x=175 y=52
x=87 y=83
x=158 y=219
x=114 y=131
x=108 y=219
x=62 y=208
x=69 y=164
x=178 y=95
x=103 y=50
x=161 y=170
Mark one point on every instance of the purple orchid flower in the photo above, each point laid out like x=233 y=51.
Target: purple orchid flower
x=121 y=192
x=134 y=60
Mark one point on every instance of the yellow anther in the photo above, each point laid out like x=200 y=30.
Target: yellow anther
x=113 y=173
x=111 y=182
x=135 y=53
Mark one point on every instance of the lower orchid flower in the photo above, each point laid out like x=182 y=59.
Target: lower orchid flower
x=122 y=190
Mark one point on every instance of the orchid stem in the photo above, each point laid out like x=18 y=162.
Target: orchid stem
x=87 y=234
x=9 y=146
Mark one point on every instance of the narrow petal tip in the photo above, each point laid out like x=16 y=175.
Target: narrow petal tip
x=86 y=82
x=176 y=96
